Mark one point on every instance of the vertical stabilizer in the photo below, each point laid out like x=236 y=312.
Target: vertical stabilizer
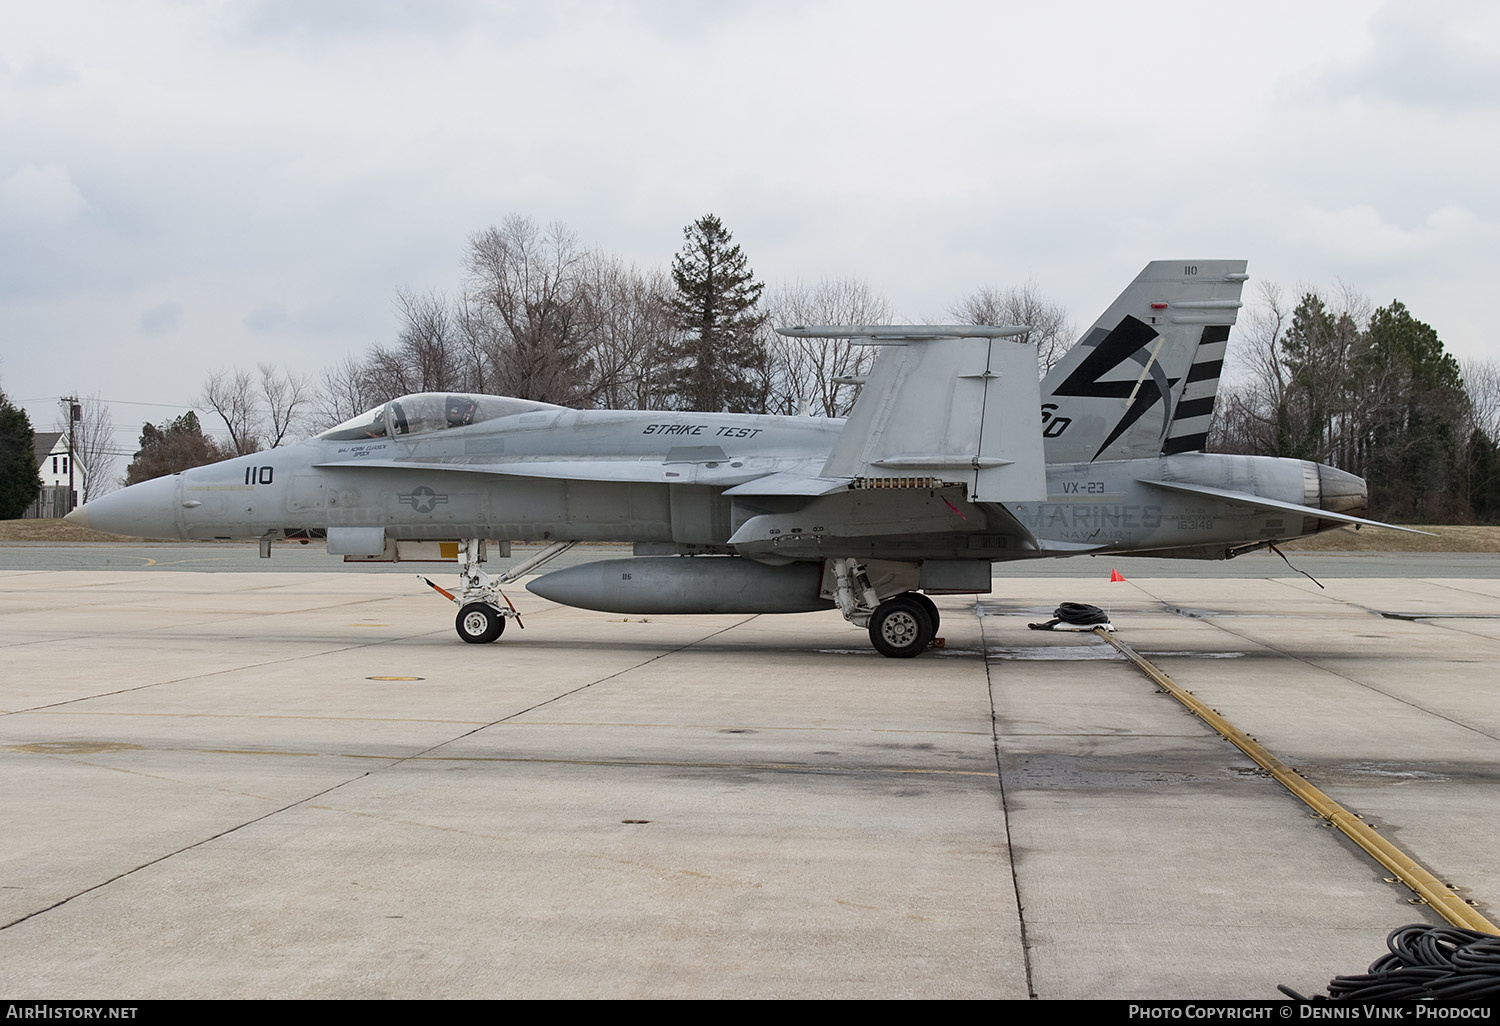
x=1142 y=380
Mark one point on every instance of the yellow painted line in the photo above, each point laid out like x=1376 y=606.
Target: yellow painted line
x=1410 y=872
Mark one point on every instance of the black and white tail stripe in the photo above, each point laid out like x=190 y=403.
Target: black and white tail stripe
x=1195 y=404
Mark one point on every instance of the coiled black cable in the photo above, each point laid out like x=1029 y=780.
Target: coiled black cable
x=1079 y=614
x=1425 y=963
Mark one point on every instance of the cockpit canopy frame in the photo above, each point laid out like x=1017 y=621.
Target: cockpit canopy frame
x=422 y=413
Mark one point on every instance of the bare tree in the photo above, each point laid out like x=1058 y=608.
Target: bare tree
x=1245 y=415
x=288 y=403
x=1482 y=383
x=529 y=314
x=540 y=317
x=429 y=354
x=633 y=324
x=816 y=374
x=1481 y=435
x=1051 y=329
x=232 y=395
x=344 y=392
x=262 y=412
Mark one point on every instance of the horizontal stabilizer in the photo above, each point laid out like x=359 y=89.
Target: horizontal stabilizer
x=899 y=334
x=1261 y=502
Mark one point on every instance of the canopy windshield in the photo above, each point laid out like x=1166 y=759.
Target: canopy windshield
x=424 y=412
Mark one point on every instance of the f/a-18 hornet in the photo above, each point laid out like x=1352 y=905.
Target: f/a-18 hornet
x=943 y=467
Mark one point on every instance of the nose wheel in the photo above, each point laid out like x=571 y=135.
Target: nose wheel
x=479 y=623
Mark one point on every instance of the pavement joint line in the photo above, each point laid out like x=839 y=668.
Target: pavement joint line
x=1422 y=617
x=1407 y=869
x=1364 y=683
x=178 y=851
x=576 y=690
x=394 y=759
x=1215 y=622
x=1015 y=879
x=794 y=767
x=1426 y=621
x=1451 y=584
x=616 y=724
x=210 y=673
x=229 y=617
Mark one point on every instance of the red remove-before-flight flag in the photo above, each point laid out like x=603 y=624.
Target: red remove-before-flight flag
x=1114 y=575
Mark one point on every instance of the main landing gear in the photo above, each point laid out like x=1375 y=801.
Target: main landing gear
x=901 y=626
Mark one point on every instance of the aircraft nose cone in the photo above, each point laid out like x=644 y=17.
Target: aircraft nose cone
x=1342 y=492
x=145 y=510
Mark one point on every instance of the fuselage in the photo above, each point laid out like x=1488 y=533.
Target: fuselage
x=628 y=476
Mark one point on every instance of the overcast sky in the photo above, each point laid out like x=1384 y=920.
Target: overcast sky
x=188 y=187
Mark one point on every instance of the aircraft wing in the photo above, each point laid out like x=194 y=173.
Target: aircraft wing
x=1261 y=502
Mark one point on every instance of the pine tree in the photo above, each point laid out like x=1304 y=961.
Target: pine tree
x=1414 y=435
x=19 y=481
x=719 y=360
x=1318 y=348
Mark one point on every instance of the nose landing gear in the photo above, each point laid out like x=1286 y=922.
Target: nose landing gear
x=483 y=607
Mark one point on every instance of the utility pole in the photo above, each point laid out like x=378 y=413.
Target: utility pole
x=75 y=414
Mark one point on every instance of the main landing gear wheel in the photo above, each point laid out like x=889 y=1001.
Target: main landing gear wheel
x=931 y=607
x=478 y=623
x=900 y=627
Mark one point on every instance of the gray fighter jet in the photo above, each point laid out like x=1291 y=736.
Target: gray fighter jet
x=942 y=468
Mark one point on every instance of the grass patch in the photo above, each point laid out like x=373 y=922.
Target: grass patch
x=43 y=530
x=1456 y=538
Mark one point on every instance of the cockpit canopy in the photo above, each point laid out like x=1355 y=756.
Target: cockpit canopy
x=423 y=412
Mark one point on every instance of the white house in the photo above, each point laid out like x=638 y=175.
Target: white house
x=52 y=458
